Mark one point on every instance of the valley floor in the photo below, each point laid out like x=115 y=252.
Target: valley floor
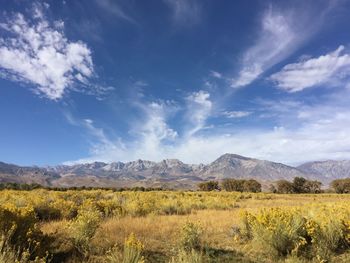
x=95 y=226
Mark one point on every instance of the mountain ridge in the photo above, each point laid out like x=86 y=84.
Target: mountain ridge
x=170 y=173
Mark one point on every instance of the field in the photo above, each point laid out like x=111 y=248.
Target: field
x=164 y=226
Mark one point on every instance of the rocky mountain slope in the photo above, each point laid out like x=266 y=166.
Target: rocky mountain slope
x=236 y=166
x=330 y=169
x=170 y=173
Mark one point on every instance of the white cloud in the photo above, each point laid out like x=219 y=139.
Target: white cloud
x=236 y=114
x=282 y=33
x=314 y=140
x=314 y=71
x=152 y=136
x=302 y=132
x=200 y=107
x=216 y=74
x=36 y=51
x=185 y=12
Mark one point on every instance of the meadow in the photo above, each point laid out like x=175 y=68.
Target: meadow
x=172 y=226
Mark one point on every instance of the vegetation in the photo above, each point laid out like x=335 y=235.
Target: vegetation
x=27 y=187
x=209 y=186
x=298 y=186
x=234 y=185
x=341 y=186
x=44 y=225
x=310 y=233
x=231 y=185
x=190 y=237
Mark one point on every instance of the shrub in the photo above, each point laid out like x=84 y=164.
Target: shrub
x=132 y=253
x=19 y=228
x=184 y=256
x=313 y=233
x=20 y=238
x=83 y=228
x=190 y=236
x=327 y=236
x=8 y=254
x=133 y=250
x=46 y=213
x=114 y=255
x=279 y=232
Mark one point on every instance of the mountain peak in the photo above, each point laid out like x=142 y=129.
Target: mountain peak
x=231 y=156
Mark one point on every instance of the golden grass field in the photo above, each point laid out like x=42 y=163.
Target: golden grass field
x=96 y=226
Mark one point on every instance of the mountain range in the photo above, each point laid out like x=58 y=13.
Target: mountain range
x=170 y=173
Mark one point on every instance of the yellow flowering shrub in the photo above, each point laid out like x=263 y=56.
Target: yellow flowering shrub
x=311 y=232
x=84 y=226
x=19 y=232
x=190 y=238
x=133 y=250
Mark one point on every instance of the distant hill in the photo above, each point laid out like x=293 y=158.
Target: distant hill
x=170 y=173
x=329 y=169
x=236 y=166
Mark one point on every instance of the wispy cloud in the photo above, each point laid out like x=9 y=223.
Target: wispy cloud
x=329 y=68
x=200 y=106
x=281 y=33
x=216 y=74
x=236 y=114
x=185 y=12
x=302 y=132
x=114 y=8
x=37 y=51
x=154 y=132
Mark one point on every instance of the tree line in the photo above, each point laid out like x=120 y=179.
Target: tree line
x=28 y=187
x=231 y=185
x=299 y=185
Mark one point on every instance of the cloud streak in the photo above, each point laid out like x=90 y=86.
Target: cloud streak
x=185 y=12
x=236 y=114
x=114 y=8
x=200 y=107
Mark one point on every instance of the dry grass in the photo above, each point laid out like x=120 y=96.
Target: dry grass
x=160 y=233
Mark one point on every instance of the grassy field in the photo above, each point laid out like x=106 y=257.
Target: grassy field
x=106 y=226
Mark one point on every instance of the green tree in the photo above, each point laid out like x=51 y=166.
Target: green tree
x=313 y=187
x=209 y=186
x=251 y=186
x=272 y=189
x=341 y=186
x=299 y=185
x=233 y=185
x=284 y=187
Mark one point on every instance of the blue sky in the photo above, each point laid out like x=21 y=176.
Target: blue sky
x=104 y=80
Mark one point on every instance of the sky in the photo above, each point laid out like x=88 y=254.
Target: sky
x=120 y=80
